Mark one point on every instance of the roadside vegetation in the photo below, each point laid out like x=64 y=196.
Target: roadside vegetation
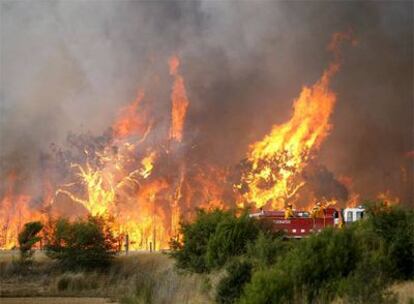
x=356 y=264
x=221 y=257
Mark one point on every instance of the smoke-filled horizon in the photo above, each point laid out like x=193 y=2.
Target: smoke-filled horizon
x=69 y=67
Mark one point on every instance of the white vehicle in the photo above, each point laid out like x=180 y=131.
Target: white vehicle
x=353 y=214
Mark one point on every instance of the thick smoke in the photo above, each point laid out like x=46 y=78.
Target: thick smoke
x=323 y=184
x=68 y=66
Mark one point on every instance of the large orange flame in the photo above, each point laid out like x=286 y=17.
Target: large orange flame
x=148 y=164
x=278 y=159
x=179 y=101
x=15 y=211
x=130 y=122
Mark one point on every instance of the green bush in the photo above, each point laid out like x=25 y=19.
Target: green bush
x=356 y=264
x=268 y=286
x=231 y=286
x=190 y=252
x=316 y=264
x=313 y=270
x=230 y=239
x=396 y=227
x=27 y=238
x=85 y=244
x=366 y=284
x=370 y=276
x=265 y=250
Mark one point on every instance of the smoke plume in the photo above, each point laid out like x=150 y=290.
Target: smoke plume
x=69 y=66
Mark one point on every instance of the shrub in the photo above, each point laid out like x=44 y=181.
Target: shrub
x=366 y=284
x=27 y=238
x=268 y=286
x=370 y=274
x=82 y=244
x=190 y=252
x=230 y=287
x=318 y=262
x=230 y=239
x=396 y=227
x=265 y=250
x=321 y=267
x=77 y=282
x=356 y=263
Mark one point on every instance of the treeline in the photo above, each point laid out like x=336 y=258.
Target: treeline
x=355 y=264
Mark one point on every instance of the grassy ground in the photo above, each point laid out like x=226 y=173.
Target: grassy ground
x=137 y=278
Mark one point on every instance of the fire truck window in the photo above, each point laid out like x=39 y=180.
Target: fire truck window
x=349 y=216
x=336 y=215
x=359 y=215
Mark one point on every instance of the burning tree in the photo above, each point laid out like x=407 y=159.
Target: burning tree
x=146 y=187
x=272 y=172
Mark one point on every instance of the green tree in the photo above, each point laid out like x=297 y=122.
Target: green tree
x=190 y=251
x=86 y=244
x=230 y=239
x=27 y=238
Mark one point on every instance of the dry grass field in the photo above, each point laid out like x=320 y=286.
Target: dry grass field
x=136 y=278
x=405 y=292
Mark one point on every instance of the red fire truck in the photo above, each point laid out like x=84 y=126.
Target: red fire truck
x=300 y=224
